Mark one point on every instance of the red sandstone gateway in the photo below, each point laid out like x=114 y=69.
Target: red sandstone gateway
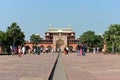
x=57 y=38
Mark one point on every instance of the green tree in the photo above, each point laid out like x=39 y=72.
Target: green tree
x=91 y=40
x=14 y=35
x=2 y=37
x=3 y=40
x=112 y=38
x=34 y=39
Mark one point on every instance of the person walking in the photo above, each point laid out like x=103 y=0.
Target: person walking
x=23 y=50
x=94 y=51
x=19 y=51
x=67 y=50
x=34 y=50
x=84 y=50
x=78 y=49
x=38 y=50
x=97 y=49
x=81 y=51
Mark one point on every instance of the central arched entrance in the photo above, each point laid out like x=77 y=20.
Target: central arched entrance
x=59 y=44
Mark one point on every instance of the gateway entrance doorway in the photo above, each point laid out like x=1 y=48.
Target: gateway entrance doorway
x=59 y=45
x=59 y=42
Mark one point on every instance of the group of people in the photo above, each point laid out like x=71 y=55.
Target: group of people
x=11 y=50
x=81 y=50
x=95 y=50
x=36 y=50
x=21 y=50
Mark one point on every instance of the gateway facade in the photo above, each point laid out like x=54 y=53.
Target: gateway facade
x=58 y=38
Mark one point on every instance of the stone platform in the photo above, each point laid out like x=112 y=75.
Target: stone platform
x=92 y=67
x=39 y=67
x=26 y=67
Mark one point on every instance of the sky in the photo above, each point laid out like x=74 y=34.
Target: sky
x=34 y=16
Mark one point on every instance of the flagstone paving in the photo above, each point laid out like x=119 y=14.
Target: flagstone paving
x=27 y=67
x=39 y=67
x=92 y=67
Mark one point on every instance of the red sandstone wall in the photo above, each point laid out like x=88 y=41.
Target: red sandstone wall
x=39 y=45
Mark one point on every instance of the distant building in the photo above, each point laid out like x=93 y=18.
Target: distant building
x=57 y=38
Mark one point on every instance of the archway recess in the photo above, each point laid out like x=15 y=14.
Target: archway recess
x=60 y=44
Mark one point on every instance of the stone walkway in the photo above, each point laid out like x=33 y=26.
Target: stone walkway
x=60 y=73
x=39 y=67
x=27 y=67
x=92 y=67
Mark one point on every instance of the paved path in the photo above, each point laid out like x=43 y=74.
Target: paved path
x=27 y=67
x=92 y=67
x=71 y=67
x=60 y=73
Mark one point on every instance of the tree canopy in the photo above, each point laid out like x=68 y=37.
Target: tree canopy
x=34 y=38
x=2 y=37
x=112 y=38
x=91 y=40
x=13 y=36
